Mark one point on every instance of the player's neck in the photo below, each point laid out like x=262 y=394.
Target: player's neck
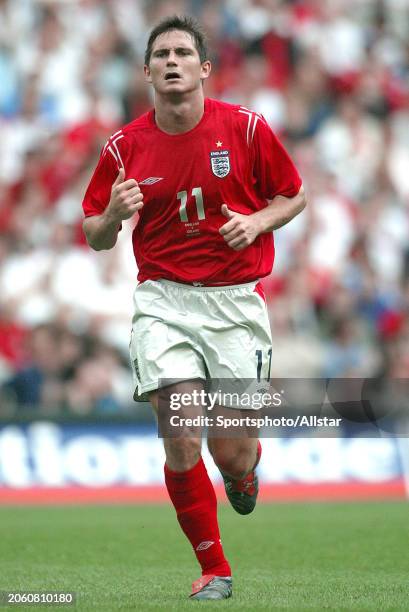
x=176 y=116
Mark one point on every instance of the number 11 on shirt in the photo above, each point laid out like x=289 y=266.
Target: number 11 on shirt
x=198 y=195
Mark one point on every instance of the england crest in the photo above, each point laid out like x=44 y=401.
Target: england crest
x=220 y=162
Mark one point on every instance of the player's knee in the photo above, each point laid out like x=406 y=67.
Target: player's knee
x=182 y=453
x=236 y=465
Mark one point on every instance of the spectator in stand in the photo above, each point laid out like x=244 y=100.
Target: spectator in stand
x=36 y=385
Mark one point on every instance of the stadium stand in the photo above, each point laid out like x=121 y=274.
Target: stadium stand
x=331 y=81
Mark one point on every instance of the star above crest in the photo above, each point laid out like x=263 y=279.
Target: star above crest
x=219 y=143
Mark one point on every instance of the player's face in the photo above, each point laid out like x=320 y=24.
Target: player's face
x=175 y=66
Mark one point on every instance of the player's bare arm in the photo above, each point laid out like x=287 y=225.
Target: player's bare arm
x=241 y=230
x=126 y=199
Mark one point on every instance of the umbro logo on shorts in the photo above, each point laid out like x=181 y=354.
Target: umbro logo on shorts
x=205 y=545
x=151 y=180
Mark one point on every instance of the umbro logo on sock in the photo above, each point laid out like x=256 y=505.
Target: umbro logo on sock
x=151 y=180
x=205 y=545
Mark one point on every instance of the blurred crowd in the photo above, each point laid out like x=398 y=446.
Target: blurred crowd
x=332 y=79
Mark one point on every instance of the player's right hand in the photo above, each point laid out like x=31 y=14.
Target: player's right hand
x=126 y=198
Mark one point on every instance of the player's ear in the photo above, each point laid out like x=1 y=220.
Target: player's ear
x=205 y=69
x=147 y=73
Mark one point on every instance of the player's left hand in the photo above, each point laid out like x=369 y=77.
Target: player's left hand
x=240 y=230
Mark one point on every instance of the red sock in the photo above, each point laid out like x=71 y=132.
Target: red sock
x=194 y=499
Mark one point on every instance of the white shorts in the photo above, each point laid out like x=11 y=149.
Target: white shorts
x=184 y=332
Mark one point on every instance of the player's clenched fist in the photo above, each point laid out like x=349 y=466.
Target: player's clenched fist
x=240 y=230
x=126 y=198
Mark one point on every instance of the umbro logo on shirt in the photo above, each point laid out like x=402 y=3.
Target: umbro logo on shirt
x=151 y=180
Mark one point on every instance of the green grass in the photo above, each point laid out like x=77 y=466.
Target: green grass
x=301 y=556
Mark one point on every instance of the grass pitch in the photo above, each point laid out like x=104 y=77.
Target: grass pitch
x=301 y=556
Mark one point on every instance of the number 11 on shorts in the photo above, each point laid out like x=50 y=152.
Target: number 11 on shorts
x=259 y=355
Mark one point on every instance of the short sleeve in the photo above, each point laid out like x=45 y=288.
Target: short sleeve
x=274 y=171
x=98 y=193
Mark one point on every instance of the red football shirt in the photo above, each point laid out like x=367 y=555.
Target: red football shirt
x=231 y=157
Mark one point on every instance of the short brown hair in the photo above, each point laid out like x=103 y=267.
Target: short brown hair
x=184 y=23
